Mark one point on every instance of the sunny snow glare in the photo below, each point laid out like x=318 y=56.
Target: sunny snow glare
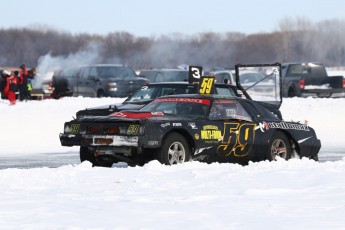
x=294 y=194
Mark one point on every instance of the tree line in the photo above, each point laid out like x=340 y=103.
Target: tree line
x=295 y=40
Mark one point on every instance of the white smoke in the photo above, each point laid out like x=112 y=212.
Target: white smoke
x=47 y=64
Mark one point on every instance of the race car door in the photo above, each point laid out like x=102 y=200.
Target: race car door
x=233 y=130
x=261 y=82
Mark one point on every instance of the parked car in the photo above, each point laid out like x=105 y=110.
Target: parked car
x=179 y=128
x=102 y=80
x=223 y=76
x=164 y=75
x=61 y=81
x=258 y=84
x=310 y=79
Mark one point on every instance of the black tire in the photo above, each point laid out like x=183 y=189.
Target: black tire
x=279 y=146
x=100 y=94
x=175 y=150
x=292 y=92
x=87 y=155
x=315 y=157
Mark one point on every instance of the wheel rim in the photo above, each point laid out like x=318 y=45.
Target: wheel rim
x=176 y=153
x=278 y=148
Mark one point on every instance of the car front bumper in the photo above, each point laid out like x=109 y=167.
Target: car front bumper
x=98 y=140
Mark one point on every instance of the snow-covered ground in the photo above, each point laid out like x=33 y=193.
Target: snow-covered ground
x=295 y=194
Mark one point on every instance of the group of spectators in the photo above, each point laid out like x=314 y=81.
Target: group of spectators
x=13 y=83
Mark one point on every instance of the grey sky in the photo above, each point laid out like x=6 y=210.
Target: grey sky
x=156 y=17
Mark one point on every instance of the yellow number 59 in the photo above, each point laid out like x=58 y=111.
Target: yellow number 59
x=206 y=85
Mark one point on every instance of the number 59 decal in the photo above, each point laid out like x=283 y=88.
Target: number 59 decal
x=237 y=139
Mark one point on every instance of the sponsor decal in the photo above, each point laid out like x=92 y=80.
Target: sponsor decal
x=230 y=112
x=137 y=115
x=211 y=132
x=75 y=128
x=303 y=140
x=165 y=125
x=263 y=126
x=188 y=100
x=152 y=143
x=192 y=125
x=210 y=127
x=282 y=125
x=196 y=136
x=177 y=124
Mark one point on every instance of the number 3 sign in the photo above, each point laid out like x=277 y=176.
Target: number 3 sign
x=194 y=74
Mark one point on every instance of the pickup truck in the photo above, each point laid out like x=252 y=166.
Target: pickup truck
x=310 y=79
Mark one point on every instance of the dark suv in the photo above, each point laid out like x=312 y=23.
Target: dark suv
x=160 y=75
x=102 y=80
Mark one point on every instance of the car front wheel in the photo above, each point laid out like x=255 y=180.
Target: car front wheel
x=279 y=146
x=87 y=155
x=174 y=150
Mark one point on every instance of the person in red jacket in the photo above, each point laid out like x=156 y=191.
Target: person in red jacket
x=11 y=86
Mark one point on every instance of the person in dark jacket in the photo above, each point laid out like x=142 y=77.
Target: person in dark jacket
x=61 y=87
x=2 y=84
x=24 y=93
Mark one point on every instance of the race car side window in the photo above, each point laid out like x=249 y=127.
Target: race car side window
x=226 y=91
x=224 y=109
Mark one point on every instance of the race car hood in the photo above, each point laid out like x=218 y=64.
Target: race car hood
x=108 y=109
x=132 y=116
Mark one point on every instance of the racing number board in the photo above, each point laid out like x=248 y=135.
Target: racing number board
x=205 y=82
x=194 y=74
x=206 y=85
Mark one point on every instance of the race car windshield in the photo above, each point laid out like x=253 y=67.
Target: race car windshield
x=188 y=107
x=144 y=94
x=151 y=92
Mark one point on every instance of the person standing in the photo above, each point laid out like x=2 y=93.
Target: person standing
x=24 y=93
x=3 y=79
x=11 y=87
x=31 y=77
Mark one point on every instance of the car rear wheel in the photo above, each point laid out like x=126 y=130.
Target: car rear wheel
x=292 y=92
x=174 y=150
x=87 y=155
x=100 y=94
x=279 y=146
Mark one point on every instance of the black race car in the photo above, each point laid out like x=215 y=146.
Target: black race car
x=148 y=93
x=179 y=128
x=270 y=97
